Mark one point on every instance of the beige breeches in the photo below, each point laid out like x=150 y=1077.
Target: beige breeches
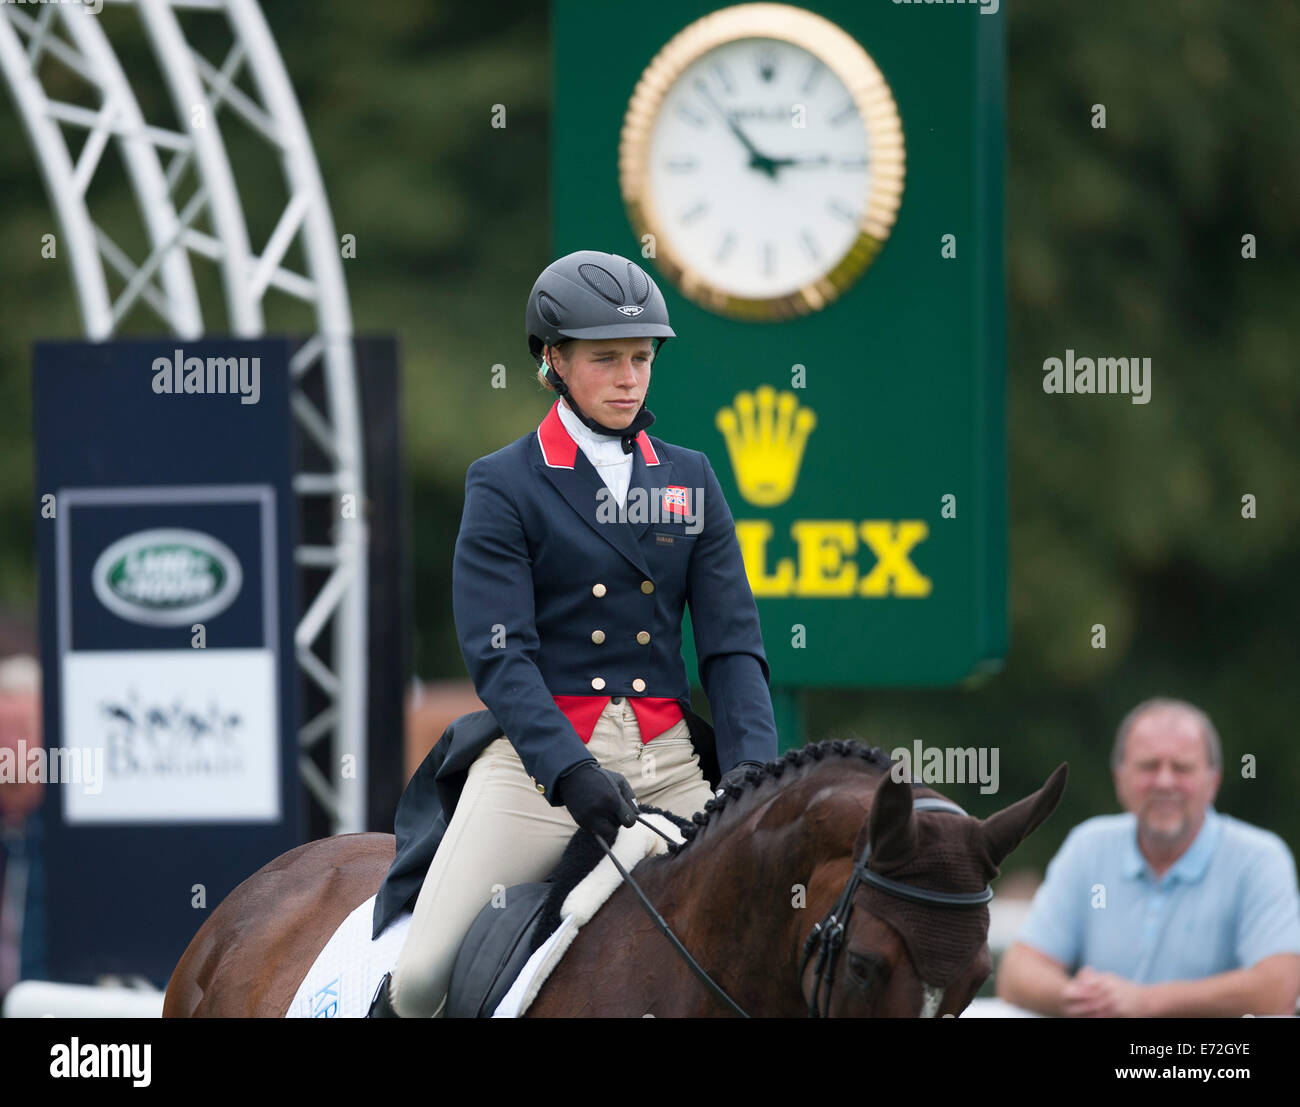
x=504 y=833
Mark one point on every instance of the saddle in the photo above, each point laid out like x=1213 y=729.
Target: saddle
x=494 y=952
x=503 y=937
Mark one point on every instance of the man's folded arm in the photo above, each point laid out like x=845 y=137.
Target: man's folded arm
x=1035 y=969
x=1029 y=978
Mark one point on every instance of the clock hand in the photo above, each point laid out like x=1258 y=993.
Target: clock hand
x=778 y=163
x=756 y=160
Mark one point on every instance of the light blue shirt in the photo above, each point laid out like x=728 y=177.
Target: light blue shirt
x=1227 y=903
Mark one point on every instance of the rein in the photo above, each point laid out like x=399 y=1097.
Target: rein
x=827 y=936
x=664 y=928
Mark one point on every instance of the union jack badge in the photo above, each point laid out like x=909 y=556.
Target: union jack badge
x=675 y=500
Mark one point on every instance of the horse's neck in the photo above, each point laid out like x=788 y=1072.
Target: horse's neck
x=759 y=833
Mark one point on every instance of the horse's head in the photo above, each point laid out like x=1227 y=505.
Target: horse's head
x=905 y=951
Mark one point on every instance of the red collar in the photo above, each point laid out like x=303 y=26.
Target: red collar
x=559 y=450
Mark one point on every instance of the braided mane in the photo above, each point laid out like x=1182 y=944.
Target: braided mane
x=793 y=759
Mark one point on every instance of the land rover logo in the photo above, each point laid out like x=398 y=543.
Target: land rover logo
x=167 y=577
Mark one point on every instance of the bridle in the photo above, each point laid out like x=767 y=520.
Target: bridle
x=828 y=935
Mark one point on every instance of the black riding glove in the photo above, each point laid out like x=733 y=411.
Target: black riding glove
x=736 y=775
x=598 y=799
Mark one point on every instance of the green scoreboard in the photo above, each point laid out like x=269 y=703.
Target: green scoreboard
x=818 y=192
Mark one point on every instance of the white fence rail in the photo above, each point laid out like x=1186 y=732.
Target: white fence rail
x=40 y=999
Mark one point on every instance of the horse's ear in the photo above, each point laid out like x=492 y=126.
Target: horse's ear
x=1006 y=829
x=889 y=826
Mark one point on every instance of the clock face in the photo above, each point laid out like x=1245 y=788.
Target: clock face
x=759 y=168
x=767 y=169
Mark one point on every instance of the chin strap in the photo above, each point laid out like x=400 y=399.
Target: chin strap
x=643 y=418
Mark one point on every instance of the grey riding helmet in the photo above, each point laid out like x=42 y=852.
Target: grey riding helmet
x=590 y=294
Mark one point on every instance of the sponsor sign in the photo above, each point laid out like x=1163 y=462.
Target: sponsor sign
x=167 y=577
x=186 y=720
x=186 y=733
x=786 y=175
x=167 y=608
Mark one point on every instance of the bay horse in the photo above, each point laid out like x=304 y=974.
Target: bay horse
x=761 y=866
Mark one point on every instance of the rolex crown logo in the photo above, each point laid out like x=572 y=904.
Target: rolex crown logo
x=765 y=437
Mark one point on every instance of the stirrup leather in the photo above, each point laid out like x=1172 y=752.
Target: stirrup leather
x=381 y=1007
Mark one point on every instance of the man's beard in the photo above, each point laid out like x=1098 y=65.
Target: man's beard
x=1165 y=837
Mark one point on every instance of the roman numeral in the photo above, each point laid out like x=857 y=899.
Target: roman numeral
x=839 y=208
x=815 y=71
x=691 y=116
x=693 y=213
x=844 y=114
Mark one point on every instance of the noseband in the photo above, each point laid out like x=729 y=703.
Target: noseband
x=828 y=935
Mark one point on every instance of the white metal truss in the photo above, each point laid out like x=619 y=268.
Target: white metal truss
x=63 y=38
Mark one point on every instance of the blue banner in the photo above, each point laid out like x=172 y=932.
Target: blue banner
x=167 y=613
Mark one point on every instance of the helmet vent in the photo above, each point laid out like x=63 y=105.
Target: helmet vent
x=548 y=309
x=637 y=282
x=600 y=280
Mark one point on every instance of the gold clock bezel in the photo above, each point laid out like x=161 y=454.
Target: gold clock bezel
x=871 y=94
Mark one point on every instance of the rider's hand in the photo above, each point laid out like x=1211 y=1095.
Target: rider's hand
x=736 y=775
x=598 y=799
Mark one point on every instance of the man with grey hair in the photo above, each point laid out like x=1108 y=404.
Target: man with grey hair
x=1213 y=747
x=1170 y=908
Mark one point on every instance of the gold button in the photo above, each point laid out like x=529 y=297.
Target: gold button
x=643 y=636
x=541 y=789
x=598 y=683
x=638 y=685
x=597 y=589
x=647 y=587
x=598 y=636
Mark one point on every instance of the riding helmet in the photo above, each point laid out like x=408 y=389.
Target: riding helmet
x=590 y=294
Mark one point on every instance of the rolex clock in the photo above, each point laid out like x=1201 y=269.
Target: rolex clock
x=762 y=154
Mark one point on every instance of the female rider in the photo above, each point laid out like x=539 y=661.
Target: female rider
x=579 y=546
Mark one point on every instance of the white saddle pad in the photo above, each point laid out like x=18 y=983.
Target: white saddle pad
x=633 y=844
x=343 y=978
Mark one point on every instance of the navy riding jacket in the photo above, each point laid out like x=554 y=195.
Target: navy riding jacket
x=546 y=559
